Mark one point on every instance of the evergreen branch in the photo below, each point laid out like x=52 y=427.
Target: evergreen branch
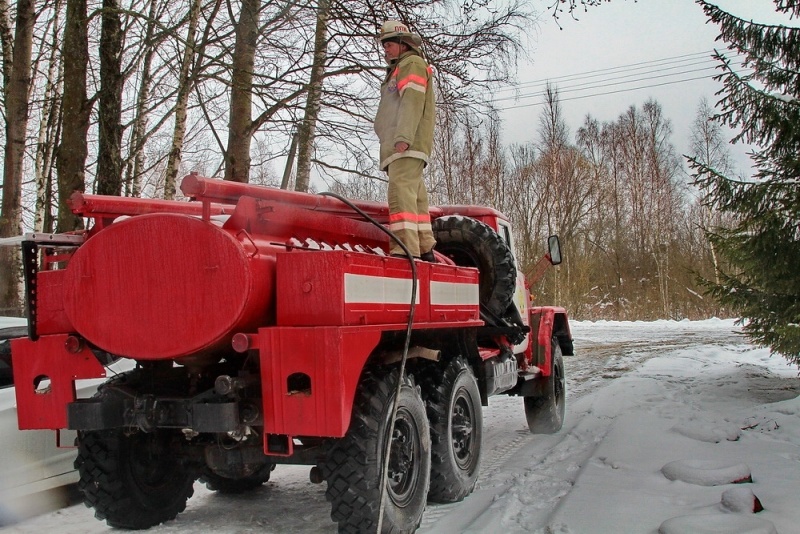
x=764 y=118
x=788 y=6
x=756 y=40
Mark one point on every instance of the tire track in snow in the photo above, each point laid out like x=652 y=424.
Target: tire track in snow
x=516 y=461
x=503 y=499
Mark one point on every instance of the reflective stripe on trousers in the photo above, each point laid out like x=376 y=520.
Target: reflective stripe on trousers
x=409 y=218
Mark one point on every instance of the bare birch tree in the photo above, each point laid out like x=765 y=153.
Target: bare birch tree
x=182 y=101
x=6 y=42
x=306 y=130
x=707 y=146
x=49 y=121
x=136 y=163
x=16 y=108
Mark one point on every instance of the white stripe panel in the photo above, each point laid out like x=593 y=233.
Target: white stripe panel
x=447 y=293
x=365 y=289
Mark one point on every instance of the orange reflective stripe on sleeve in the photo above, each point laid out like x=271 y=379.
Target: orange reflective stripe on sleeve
x=413 y=81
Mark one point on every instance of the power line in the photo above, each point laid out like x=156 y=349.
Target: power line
x=656 y=69
x=619 y=69
x=611 y=80
x=604 y=93
x=643 y=76
x=632 y=67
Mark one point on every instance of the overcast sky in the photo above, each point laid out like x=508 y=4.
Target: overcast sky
x=620 y=54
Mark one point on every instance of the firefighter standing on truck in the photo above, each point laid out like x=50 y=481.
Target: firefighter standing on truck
x=404 y=124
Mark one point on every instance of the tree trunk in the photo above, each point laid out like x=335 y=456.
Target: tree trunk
x=305 y=134
x=240 y=127
x=16 y=101
x=6 y=42
x=48 y=131
x=72 y=151
x=137 y=162
x=109 y=157
x=287 y=171
x=184 y=86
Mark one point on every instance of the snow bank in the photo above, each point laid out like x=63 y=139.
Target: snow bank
x=707 y=472
x=660 y=448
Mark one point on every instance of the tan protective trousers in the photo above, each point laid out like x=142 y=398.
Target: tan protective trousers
x=409 y=218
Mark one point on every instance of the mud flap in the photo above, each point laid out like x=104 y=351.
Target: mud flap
x=42 y=406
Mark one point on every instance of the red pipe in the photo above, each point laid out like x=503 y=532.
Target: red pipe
x=105 y=205
x=228 y=192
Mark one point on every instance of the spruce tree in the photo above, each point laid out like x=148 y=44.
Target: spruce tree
x=759 y=276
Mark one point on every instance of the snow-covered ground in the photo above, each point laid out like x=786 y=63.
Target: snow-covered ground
x=662 y=418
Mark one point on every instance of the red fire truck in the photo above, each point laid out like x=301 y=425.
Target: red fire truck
x=271 y=327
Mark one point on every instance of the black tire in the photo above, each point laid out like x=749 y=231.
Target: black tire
x=471 y=243
x=133 y=482
x=231 y=486
x=545 y=413
x=453 y=404
x=354 y=463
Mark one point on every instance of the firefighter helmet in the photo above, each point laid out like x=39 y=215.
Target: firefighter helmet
x=396 y=30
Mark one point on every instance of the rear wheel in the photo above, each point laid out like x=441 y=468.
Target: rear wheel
x=132 y=481
x=545 y=412
x=454 y=410
x=354 y=463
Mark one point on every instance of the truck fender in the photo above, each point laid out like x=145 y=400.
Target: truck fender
x=548 y=322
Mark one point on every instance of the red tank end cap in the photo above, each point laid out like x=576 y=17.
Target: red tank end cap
x=158 y=286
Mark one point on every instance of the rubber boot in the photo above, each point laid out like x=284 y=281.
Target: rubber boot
x=429 y=257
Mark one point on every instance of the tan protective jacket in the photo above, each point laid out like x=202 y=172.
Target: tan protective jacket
x=407 y=109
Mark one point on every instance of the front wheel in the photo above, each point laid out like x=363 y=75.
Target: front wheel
x=132 y=481
x=354 y=463
x=545 y=412
x=454 y=410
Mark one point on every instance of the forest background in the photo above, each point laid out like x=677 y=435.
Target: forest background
x=125 y=97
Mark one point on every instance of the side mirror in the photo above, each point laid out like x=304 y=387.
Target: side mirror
x=554 y=248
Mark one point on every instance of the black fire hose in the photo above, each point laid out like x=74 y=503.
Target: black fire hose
x=412 y=305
